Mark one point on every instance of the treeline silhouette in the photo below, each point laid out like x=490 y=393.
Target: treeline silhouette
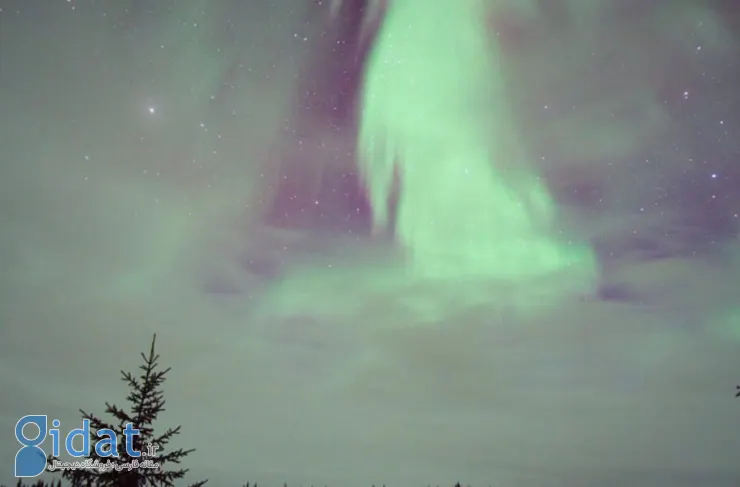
x=146 y=401
x=58 y=483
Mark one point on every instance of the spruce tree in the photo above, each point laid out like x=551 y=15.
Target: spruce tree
x=146 y=401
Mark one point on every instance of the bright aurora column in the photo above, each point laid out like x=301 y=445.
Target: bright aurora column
x=435 y=113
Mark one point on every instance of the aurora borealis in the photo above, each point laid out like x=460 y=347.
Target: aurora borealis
x=213 y=171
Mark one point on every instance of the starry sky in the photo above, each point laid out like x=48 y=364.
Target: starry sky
x=187 y=168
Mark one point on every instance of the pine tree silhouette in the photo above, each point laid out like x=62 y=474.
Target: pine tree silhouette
x=146 y=401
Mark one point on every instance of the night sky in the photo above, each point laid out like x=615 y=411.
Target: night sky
x=188 y=168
